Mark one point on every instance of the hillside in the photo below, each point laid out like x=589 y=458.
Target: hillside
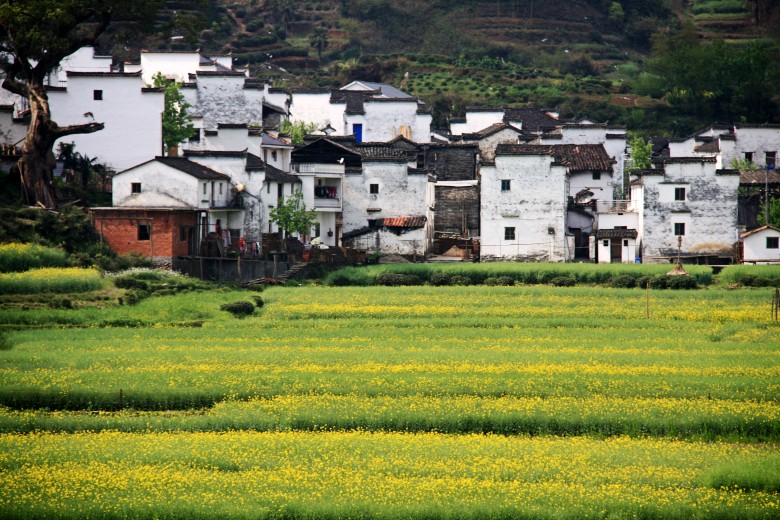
x=582 y=56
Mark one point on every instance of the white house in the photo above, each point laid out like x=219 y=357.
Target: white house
x=687 y=197
x=179 y=65
x=761 y=246
x=132 y=115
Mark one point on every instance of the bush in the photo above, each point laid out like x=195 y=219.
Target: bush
x=490 y=280
x=129 y=282
x=397 y=279
x=438 y=278
x=563 y=281
x=659 y=282
x=460 y=280
x=681 y=282
x=51 y=280
x=238 y=309
x=258 y=301
x=644 y=281
x=623 y=281
x=505 y=280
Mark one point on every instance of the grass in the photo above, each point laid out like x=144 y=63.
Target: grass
x=16 y=256
x=396 y=402
x=51 y=280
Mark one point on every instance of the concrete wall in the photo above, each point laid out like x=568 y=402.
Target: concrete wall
x=317 y=108
x=223 y=99
x=758 y=140
x=384 y=120
x=410 y=242
x=535 y=206
x=163 y=186
x=173 y=65
x=709 y=211
x=487 y=146
x=476 y=121
x=132 y=118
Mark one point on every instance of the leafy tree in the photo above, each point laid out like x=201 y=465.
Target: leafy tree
x=177 y=124
x=298 y=130
x=774 y=212
x=616 y=13
x=641 y=152
x=35 y=36
x=319 y=41
x=292 y=216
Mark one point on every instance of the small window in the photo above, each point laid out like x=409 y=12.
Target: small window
x=220 y=188
x=280 y=191
x=204 y=187
x=421 y=160
x=596 y=176
x=506 y=185
x=749 y=157
x=273 y=155
x=605 y=243
x=679 y=194
x=679 y=229
x=182 y=233
x=135 y=187
x=509 y=233
x=143 y=232
x=773 y=242
x=770 y=160
x=373 y=189
x=97 y=95
x=625 y=243
x=268 y=188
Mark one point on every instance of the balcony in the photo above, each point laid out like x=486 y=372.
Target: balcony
x=327 y=197
x=615 y=206
x=334 y=169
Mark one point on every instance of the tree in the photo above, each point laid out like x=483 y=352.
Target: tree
x=292 y=216
x=774 y=212
x=35 y=36
x=177 y=123
x=319 y=41
x=298 y=130
x=641 y=152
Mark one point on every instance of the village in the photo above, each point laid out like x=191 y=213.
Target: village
x=500 y=184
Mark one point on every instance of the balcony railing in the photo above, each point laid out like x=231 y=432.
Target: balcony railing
x=615 y=206
x=319 y=168
x=329 y=203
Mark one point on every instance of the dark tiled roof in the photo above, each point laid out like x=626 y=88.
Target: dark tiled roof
x=580 y=157
x=533 y=119
x=254 y=163
x=616 y=233
x=379 y=152
x=192 y=168
x=385 y=90
x=234 y=126
x=214 y=153
x=75 y=74
x=759 y=177
x=616 y=136
x=457 y=120
x=354 y=100
x=277 y=175
x=223 y=73
x=405 y=222
x=708 y=146
x=484 y=109
x=683 y=160
x=270 y=140
x=487 y=132
x=152 y=89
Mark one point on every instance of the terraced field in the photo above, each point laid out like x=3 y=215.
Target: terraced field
x=400 y=402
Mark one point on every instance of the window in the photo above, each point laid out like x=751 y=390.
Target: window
x=625 y=243
x=773 y=242
x=268 y=188
x=506 y=185
x=749 y=157
x=421 y=160
x=679 y=194
x=679 y=229
x=770 y=160
x=183 y=233
x=280 y=191
x=220 y=188
x=135 y=187
x=273 y=155
x=596 y=176
x=357 y=129
x=509 y=233
x=204 y=187
x=143 y=232
x=373 y=189
x=605 y=243
x=97 y=95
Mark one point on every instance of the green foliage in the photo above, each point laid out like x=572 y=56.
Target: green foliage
x=397 y=279
x=22 y=257
x=177 y=123
x=292 y=216
x=616 y=13
x=142 y=283
x=438 y=278
x=51 y=280
x=641 y=152
x=623 y=281
x=751 y=275
x=774 y=212
x=298 y=130
x=756 y=474
x=239 y=309
x=743 y=164
x=319 y=40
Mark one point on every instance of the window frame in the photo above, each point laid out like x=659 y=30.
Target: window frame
x=144 y=232
x=772 y=242
x=135 y=187
x=510 y=233
x=373 y=189
x=97 y=94
x=596 y=176
x=680 y=194
x=679 y=229
x=506 y=185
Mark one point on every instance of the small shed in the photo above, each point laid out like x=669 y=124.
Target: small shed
x=761 y=246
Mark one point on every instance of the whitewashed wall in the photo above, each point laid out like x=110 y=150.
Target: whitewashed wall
x=755 y=250
x=172 y=65
x=476 y=121
x=535 y=206
x=161 y=187
x=132 y=118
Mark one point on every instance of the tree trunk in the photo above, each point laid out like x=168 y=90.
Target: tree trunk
x=37 y=161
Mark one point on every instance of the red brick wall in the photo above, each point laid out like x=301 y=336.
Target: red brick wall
x=119 y=228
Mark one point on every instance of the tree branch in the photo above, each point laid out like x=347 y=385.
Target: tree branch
x=16 y=87
x=88 y=128
x=52 y=60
